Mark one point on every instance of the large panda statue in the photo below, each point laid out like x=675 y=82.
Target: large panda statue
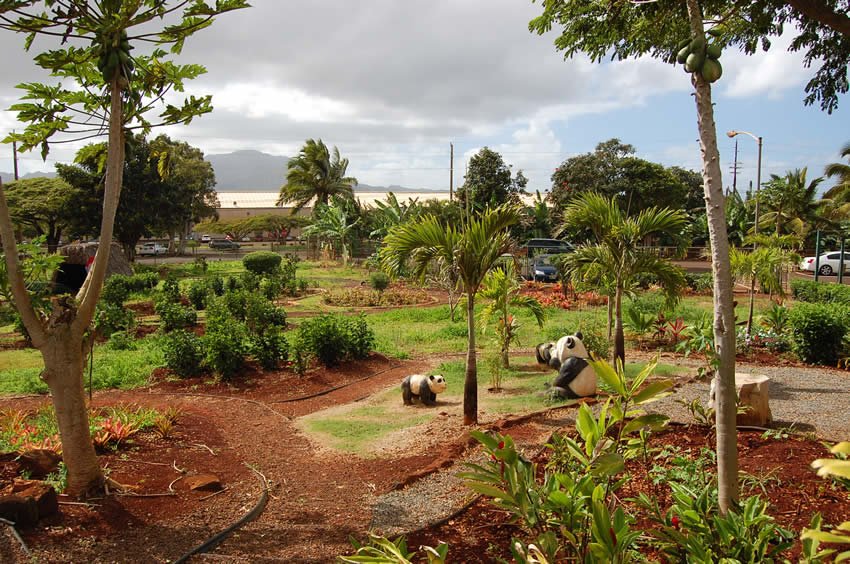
x=576 y=378
x=423 y=387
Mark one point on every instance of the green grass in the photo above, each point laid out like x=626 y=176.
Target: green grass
x=358 y=428
x=20 y=369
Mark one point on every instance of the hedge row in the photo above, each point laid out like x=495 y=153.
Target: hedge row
x=818 y=330
x=819 y=292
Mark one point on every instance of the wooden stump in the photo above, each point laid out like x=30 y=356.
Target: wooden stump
x=753 y=391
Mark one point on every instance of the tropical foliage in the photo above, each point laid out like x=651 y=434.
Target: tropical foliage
x=316 y=174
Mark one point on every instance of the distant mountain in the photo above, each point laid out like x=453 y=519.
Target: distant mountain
x=10 y=176
x=248 y=171
x=255 y=171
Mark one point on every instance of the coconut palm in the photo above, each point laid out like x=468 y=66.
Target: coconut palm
x=502 y=286
x=840 y=193
x=316 y=173
x=332 y=224
x=472 y=246
x=618 y=253
x=792 y=205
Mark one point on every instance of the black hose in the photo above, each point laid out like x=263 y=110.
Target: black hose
x=217 y=538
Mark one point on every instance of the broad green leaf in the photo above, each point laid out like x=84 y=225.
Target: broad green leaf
x=652 y=420
x=608 y=464
x=831 y=467
x=653 y=391
x=841 y=448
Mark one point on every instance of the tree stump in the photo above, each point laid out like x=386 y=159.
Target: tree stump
x=753 y=391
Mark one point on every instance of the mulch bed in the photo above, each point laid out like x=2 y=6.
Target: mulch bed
x=482 y=533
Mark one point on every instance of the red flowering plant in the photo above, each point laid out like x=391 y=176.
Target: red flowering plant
x=22 y=431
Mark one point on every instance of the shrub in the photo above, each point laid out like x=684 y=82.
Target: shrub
x=269 y=348
x=817 y=331
x=197 y=294
x=143 y=282
x=116 y=289
x=122 y=341
x=379 y=281
x=217 y=285
x=233 y=283
x=361 y=338
x=700 y=283
x=333 y=338
x=175 y=316
x=820 y=292
x=250 y=281
x=200 y=265
x=225 y=345
x=182 y=352
x=236 y=302
x=261 y=314
x=171 y=290
x=262 y=262
x=112 y=317
x=271 y=287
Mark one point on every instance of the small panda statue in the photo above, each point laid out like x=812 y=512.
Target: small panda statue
x=423 y=387
x=576 y=378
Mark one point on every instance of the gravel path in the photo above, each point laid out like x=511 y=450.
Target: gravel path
x=811 y=399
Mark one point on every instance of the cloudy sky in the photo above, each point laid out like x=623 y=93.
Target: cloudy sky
x=393 y=83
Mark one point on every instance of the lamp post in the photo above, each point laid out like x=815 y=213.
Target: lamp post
x=758 y=140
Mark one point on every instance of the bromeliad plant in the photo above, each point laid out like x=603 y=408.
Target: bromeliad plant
x=381 y=550
x=571 y=514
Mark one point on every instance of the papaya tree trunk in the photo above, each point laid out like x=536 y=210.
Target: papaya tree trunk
x=470 y=386
x=64 y=361
x=724 y=312
x=610 y=317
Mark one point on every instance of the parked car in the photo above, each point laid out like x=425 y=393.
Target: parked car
x=205 y=238
x=152 y=249
x=224 y=244
x=541 y=269
x=827 y=265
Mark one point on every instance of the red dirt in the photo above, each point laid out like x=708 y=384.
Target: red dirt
x=794 y=491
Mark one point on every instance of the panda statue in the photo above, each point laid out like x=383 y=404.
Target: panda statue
x=576 y=378
x=423 y=387
x=545 y=356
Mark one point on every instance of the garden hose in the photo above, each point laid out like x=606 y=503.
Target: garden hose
x=217 y=538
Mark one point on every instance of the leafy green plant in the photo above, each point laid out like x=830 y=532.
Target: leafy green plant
x=225 y=345
x=111 y=317
x=197 y=294
x=678 y=467
x=379 y=281
x=262 y=262
x=122 y=341
x=116 y=289
x=332 y=338
x=261 y=314
x=200 y=265
x=170 y=290
x=380 y=550
x=694 y=530
x=236 y=302
x=640 y=323
x=776 y=319
x=817 y=332
x=174 y=316
x=183 y=352
x=838 y=468
x=269 y=348
x=217 y=285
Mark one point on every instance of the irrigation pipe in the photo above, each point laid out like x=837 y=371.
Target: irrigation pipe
x=217 y=538
x=17 y=536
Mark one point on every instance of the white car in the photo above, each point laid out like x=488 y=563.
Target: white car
x=827 y=265
x=153 y=249
x=205 y=239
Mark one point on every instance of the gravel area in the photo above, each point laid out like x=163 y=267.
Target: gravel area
x=811 y=399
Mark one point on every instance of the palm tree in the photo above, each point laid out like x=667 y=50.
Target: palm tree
x=332 y=223
x=473 y=246
x=316 y=173
x=618 y=253
x=502 y=286
x=840 y=193
x=393 y=213
x=793 y=206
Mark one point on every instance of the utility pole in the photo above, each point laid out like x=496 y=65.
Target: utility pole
x=735 y=168
x=451 y=171
x=15 y=157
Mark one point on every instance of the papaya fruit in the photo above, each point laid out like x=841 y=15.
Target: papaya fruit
x=713 y=51
x=694 y=62
x=711 y=70
x=682 y=56
x=698 y=44
x=683 y=43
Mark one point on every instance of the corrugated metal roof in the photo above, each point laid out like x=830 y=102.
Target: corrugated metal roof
x=229 y=200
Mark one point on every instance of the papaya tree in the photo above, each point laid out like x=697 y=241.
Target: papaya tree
x=675 y=32
x=104 y=90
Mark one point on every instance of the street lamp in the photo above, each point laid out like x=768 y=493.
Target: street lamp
x=758 y=140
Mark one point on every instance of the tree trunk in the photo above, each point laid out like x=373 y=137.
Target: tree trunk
x=610 y=318
x=619 y=337
x=724 y=312
x=64 y=361
x=470 y=386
